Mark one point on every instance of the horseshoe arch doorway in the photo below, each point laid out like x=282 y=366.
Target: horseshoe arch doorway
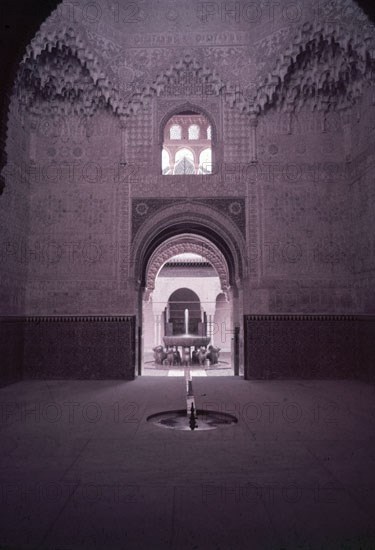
x=187 y=290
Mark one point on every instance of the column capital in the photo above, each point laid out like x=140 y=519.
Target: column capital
x=253 y=120
x=123 y=123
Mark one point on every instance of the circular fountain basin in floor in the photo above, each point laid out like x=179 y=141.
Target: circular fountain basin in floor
x=179 y=420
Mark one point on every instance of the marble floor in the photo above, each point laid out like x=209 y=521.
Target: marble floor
x=81 y=468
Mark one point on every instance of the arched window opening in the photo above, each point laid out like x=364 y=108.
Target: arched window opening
x=194 y=131
x=187 y=145
x=175 y=131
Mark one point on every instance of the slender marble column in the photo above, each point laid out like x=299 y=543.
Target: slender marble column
x=123 y=143
x=253 y=137
x=186 y=321
x=157 y=330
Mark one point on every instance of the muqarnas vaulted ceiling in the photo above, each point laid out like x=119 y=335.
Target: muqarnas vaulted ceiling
x=321 y=64
x=325 y=67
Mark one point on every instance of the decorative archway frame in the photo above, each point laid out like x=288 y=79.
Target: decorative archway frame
x=184 y=218
x=186 y=243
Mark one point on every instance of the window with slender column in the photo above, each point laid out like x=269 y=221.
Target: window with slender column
x=187 y=145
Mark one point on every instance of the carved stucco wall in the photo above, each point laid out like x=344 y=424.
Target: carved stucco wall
x=361 y=121
x=14 y=216
x=93 y=92
x=304 y=201
x=75 y=204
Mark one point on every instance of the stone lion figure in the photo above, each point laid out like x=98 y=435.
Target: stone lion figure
x=213 y=355
x=159 y=355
